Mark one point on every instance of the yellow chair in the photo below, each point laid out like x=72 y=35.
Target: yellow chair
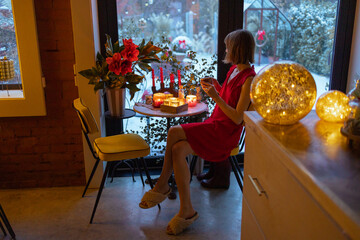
x=110 y=149
x=232 y=158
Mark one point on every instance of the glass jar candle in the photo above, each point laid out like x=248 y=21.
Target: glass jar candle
x=158 y=99
x=191 y=100
x=167 y=102
x=181 y=101
x=181 y=92
x=174 y=102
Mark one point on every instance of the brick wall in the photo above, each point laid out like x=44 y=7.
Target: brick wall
x=47 y=151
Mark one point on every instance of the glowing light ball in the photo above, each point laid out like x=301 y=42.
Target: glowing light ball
x=333 y=106
x=283 y=92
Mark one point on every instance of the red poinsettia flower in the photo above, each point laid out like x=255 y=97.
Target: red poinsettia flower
x=114 y=63
x=129 y=43
x=119 y=66
x=126 y=67
x=130 y=53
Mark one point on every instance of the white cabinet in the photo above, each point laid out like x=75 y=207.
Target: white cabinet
x=297 y=180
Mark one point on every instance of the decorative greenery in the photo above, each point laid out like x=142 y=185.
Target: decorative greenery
x=123 y=65
x=154 y=131
x=313 y=28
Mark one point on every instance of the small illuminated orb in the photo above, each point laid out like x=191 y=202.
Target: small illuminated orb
x=283 y=92
x=333 y=106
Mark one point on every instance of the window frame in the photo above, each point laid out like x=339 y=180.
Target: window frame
x=33 y=102
x=231 y=18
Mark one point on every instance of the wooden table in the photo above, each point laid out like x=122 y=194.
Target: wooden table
x=149 y=110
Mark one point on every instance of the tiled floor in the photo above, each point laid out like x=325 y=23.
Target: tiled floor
x=61 y=213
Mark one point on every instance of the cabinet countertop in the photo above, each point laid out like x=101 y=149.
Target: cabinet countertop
x=322 y=161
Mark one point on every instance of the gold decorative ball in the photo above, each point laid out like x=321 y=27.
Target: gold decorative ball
x=283 y=92
x=333 y=106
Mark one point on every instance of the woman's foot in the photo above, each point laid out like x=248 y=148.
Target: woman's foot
x=154 y=196
x=180 y=222
x=209 y=174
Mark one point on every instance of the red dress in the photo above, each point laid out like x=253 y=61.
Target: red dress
x=214 y=138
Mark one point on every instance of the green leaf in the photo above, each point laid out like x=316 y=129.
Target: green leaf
x=133 y=89
x=116 y=47
x=88 y=73
x=108 y=46
x=145 y=67
x=99 y=85
x=99 y=58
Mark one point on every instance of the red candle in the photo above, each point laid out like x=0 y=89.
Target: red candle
x=172 y=78
x=179 y=77
x=161 y=75
x=153 y=77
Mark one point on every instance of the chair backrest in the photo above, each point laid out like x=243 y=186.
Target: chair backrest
x=87 y=120
x=242 y=140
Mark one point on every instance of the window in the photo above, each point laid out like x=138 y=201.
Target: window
x=8 y=49
x=22 y=47
x=285 y=35
x=300 y=31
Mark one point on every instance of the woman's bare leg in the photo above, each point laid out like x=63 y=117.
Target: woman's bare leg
x=175 y=135
x=182 y=177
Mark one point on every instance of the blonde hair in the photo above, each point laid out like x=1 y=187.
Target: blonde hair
x=240 y=45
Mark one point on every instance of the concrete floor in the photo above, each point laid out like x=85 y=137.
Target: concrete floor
x=61 y=213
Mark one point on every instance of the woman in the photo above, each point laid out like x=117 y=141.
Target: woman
x=212 y=139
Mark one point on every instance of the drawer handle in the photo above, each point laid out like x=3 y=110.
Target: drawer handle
x=260 y=192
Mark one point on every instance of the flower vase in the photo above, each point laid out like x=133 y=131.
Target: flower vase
x=116 y=101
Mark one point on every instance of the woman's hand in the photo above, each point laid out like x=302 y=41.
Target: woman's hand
x=208 y=87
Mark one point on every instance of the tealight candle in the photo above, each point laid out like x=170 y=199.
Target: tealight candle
x=168 y=95
x=191 y=100
x=158 y=99
x=182 y=101
x=167 y=102
x=174 y=103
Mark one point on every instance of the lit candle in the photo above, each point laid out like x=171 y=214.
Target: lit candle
x=172 y=78
x=168 y=95
x=153 y=77
x=191 y=100
x=167 y=102
x=161 y=75
x=182 y=101
x=174 y=102
x=158 y=99
x=179 y=77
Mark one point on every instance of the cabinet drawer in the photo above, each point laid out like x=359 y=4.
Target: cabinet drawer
x=250 y=229
x=285 y=210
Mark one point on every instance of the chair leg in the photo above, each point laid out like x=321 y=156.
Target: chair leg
x=6 y=222
x=91 y=176
x=148 y=175
x=108 y=164
x=237 y=164
x=192 y=166
x=235 y=172
x=140 y=171
x=3 y=229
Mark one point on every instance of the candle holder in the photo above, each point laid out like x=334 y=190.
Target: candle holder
x=158 y=99
x=191 y=100
x=163 y=89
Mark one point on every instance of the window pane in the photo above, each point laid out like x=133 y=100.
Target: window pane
x=8 y=49
x=300 y=31
x=187 y=24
